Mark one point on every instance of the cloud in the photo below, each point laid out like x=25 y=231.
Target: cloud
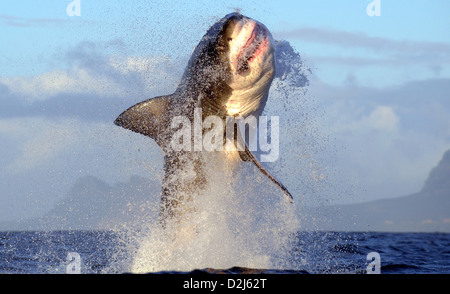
x=376 y=60
x=76 y=81
x=65 y=143
x=383 y=118
x=386 y=140
x=355 y=61
x=95 y=86
x=92 y=73
x=43 y=157
x=17 y=21
x=438 y=50
x=63 y=119
x=42 y=142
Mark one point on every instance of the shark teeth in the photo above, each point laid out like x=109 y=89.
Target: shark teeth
x=248 y=51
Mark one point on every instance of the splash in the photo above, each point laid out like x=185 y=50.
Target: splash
x=232 y=223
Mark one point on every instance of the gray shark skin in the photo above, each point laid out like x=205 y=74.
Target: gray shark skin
x=228 y=74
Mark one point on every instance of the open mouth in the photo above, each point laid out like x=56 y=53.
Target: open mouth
x=251 y=49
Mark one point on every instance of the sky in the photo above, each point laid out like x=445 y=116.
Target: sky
x=379 y=89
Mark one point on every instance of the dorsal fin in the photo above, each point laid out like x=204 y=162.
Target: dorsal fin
x=148 y=118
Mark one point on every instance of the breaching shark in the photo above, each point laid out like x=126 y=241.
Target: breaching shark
x=228 y=75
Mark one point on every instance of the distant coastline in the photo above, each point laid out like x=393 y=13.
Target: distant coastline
x=92 y=204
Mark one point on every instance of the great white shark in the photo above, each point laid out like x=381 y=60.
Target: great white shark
x=228 y=75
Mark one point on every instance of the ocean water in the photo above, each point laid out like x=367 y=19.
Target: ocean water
x=107 y=252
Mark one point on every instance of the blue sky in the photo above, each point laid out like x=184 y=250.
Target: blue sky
x=378 y=91
x=38 y=32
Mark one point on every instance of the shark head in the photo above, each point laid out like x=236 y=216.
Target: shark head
x=252 y=61
x=250 y=52
x=238 y=56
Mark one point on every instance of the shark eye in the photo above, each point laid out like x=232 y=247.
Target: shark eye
x=230 y=39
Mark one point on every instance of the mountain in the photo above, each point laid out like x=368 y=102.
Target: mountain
x=425 y=211
x=438 y=183
x=93 y=204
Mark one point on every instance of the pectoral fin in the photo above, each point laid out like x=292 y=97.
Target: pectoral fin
x=247 y=155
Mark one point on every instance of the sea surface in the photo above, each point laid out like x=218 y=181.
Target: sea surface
x=100 y=252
